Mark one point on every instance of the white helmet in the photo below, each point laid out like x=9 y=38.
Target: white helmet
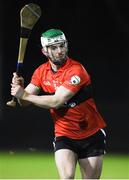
x=52 y=36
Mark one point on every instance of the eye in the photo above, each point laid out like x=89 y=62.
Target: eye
x=62 y=45
x=53 y=47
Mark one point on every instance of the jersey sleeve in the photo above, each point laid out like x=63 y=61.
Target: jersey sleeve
x=75 y=78
x=35 y=79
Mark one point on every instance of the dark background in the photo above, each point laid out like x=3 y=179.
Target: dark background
x=98 y=34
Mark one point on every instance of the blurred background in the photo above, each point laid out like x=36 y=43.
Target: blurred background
x=98 y=35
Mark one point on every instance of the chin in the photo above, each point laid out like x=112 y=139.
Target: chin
x=60 y=62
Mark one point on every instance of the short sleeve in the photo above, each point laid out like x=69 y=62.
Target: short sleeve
x=35 y=79
x=76 y=77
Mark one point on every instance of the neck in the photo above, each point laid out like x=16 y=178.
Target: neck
x=54 y=67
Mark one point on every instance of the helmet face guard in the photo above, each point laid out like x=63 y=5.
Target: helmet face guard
x=51 y=37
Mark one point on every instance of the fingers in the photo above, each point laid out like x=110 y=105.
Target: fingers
x=17 y=80
x=16 y=90
x=17 y=85
x=15 y=74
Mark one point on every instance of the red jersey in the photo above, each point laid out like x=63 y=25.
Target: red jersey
x=76 y=121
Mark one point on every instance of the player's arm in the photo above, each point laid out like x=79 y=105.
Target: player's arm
x=31 y=89
x=61 y=96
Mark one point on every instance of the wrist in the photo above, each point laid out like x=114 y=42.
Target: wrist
x=24 y=95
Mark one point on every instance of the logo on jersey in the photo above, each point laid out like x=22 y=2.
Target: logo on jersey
x=75 y=80
x=46 y=83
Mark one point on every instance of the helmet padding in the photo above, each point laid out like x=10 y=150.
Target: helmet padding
x=52 y=36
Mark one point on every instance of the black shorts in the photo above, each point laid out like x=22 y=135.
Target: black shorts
x=87 y=147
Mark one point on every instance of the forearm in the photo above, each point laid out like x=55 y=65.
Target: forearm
x=44 y=101
x=29 y=94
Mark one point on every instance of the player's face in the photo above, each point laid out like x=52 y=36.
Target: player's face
x=57 y=53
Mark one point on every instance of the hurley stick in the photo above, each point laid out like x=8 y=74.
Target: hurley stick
x=29 y=15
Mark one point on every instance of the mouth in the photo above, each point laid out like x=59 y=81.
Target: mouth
x=60 y=57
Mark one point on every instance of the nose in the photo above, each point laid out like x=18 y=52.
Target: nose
x=59 y=50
